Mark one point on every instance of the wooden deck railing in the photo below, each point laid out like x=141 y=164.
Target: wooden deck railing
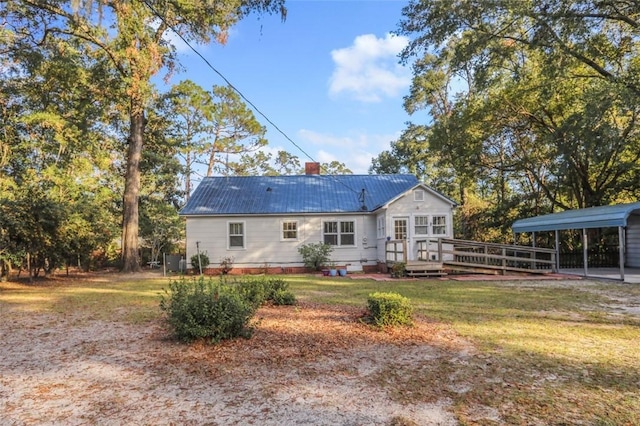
x=465 y=254
x=396 y=251
x=454 y=252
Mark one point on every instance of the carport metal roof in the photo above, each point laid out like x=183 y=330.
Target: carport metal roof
x=592 y=217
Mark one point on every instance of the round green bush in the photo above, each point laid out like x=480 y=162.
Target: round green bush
x=283 y=297
x=389 y=309
x=204 y=260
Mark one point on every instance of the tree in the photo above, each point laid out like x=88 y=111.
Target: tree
x=160 y=226
x=286 y=163
x=131 y=35
x=532 y=106
x=55 y=154
x=235 y=133
x=186 y=109
x=335 y=168
x=161 y=196
x=602 y=35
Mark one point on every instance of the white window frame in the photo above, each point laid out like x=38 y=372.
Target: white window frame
x=244 y=234
x=441 y=224
x=339 y=233
x=424 y=224
x=342 y=232
x=407 y=227
x=283 y=231
x=381 y=227
x=418 y=195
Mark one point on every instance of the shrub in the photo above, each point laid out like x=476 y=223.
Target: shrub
x=200 y=309
x=251 y=290
x=389 y=309
x=399 y=270
x=257 y=291
x=283 y=297
x=275 y=285
x=204 y=260
x=315 y=255
x=226 y=265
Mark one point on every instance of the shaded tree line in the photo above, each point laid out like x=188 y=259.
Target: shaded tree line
x=521 y=108
x=95 y=159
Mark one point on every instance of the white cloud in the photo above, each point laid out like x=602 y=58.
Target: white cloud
x=369 y=70
x=355 y=151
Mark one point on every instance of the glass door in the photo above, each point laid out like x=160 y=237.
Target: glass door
x=400 y=228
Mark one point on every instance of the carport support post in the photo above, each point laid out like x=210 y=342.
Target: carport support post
x=621 y=245
x=557 y=251
x=533 y=244
x=585 y=257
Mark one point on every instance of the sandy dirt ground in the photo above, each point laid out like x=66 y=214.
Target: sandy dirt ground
x=305 y=365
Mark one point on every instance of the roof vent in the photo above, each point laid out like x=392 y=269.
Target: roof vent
x=269 y=189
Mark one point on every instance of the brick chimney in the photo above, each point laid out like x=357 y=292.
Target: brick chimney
x=311 y=168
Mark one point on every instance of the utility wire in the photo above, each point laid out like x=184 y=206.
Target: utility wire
x=159 y=16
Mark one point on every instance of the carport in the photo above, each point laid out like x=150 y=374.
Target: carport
x=624 y=217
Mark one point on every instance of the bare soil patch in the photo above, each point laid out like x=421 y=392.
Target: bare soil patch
x=309 y=364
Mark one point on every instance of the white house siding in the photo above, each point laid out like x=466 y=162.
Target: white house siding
x=407 y=207
x=633 y=241
x=264 y=246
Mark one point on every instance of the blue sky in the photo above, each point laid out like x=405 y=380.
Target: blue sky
x=328 y=76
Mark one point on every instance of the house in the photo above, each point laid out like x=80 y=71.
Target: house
x=261 y=221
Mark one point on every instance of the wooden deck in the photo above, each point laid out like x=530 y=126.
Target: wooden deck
x=437 y=257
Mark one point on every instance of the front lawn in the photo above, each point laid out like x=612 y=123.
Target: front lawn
x=536 y=352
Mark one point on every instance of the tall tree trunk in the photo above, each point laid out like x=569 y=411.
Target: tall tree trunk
x=130 y=261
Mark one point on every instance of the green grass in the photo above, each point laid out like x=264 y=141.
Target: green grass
x=548 y=355
x=129 y=300
x=544 y=354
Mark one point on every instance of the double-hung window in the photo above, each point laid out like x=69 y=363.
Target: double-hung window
x=347 y=234
x=439 y=225
x=339 y=233
x=331 y=233
x=289 y=230
x=236 y=235
x=422 y=225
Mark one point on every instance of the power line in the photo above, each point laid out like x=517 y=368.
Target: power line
x=206 y=61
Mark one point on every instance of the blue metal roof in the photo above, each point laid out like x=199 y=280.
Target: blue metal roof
x=295 y=194
x=593 y=217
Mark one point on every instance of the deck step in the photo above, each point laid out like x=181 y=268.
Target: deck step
x=427 y=274
x=425 y=269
